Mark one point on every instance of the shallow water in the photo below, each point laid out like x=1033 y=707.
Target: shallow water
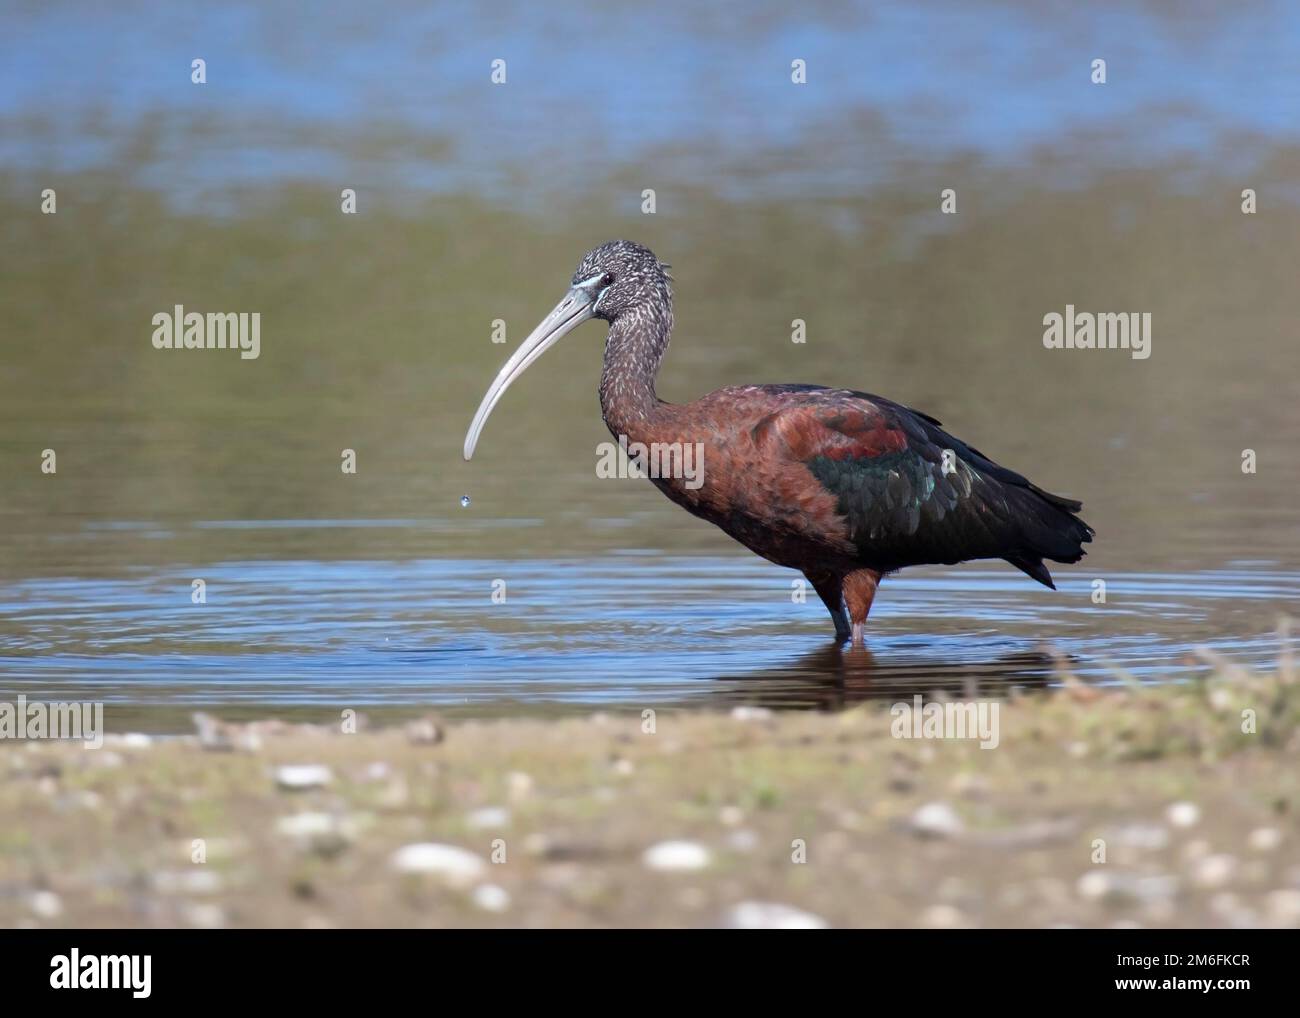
x=631 y=630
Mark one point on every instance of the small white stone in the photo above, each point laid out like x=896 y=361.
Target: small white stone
x=136 y=740
x=747 y=713
x=937 y=820
x=763 y=915
x=299 y=777
x=1265 y=839
x=624 y=767
x=732 y=816
x=455 y=866
x=942 y=917
x=1184 y=814
x=304 y=825
x=519 y=785
x=488 y=817
x=312 y=827
x=1214 y=870
x=45 y=904
x=676 y=856
x=1094 y=885
x=491 y=898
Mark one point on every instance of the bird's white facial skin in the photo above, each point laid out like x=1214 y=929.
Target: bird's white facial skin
x=593 y=286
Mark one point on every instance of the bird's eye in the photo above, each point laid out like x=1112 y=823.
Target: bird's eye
x=607 y=279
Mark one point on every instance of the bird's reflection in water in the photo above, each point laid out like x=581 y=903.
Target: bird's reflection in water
x=834 y=677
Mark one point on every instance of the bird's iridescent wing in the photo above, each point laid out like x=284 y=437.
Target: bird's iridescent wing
x=910 y=493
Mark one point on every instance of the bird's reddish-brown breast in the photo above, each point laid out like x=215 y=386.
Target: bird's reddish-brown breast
x=755 y=486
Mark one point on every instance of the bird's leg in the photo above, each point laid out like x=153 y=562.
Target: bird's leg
x=859 y=591
x=830 y=588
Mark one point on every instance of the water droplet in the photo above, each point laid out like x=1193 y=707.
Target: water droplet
x=464 y=501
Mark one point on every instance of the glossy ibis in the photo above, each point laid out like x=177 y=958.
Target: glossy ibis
x=844 y=486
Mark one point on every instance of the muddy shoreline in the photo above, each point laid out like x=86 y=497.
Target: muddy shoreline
x=1190 y=794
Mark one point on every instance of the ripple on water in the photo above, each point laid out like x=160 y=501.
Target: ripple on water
x=637 y=630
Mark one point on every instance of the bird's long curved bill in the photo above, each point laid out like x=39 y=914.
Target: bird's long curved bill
x=571 y=312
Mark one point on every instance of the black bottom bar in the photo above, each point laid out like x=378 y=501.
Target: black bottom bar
x=1222 y=968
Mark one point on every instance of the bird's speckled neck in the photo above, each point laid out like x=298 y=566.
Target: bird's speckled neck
x=634 y=349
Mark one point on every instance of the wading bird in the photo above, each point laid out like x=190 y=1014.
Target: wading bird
x=844 y=486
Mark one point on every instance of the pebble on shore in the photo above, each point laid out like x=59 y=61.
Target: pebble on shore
x=455 y=866
x=936 y=820
x=676 y=856
x=763 y=915
x=300 y=777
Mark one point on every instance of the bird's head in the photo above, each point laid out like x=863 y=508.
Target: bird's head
x=617 y=279
x=622 y=276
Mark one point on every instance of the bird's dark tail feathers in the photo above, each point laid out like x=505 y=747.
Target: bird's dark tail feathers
x=1049 y=530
